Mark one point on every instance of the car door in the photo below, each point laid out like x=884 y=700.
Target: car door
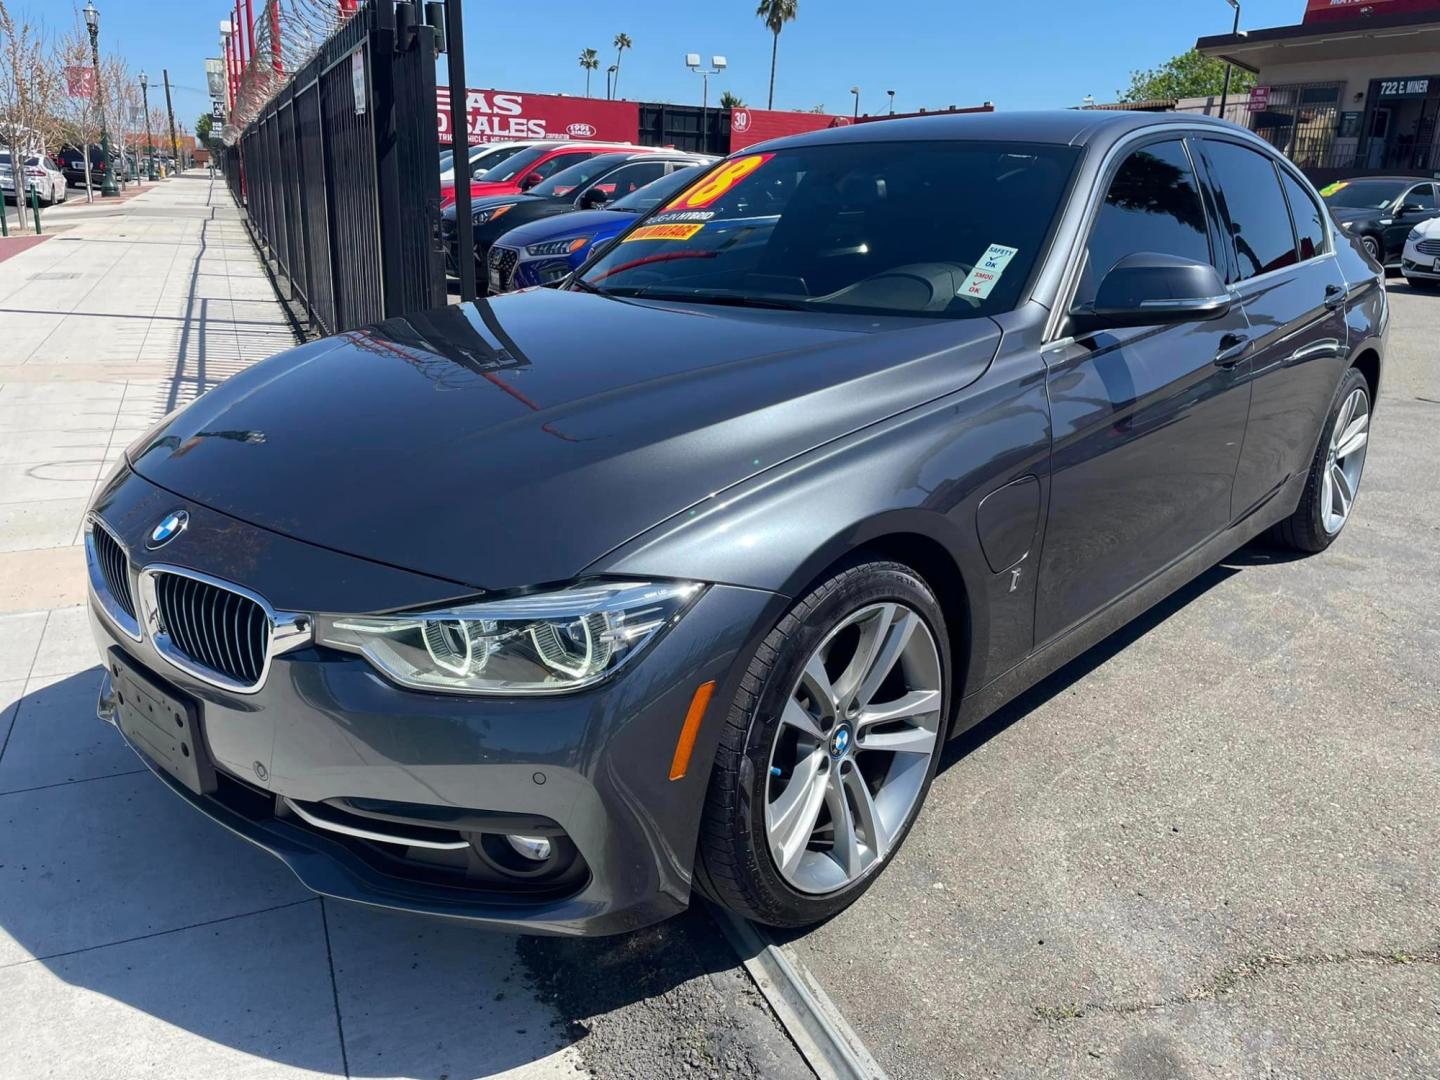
x=1288 y=282
x=1148 y=421
x=1415 y=206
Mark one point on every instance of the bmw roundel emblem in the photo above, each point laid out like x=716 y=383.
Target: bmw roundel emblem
x=171 y=526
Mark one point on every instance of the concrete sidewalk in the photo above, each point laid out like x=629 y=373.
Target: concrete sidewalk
x=136 y=937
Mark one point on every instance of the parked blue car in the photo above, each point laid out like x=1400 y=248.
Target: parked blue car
x=545 y=252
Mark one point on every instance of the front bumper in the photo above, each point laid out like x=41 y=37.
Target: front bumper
x=1416 y=264
x=326 y=731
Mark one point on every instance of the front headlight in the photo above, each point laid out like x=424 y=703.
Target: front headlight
x=1414 y=237
x=542 y=644
x=482 y=216
x=558 y=247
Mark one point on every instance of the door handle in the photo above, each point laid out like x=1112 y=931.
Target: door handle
x=1335 y=296
x=1233 y=348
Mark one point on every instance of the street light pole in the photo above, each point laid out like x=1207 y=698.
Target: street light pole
x=856 y=91
x=892 y=101
x=1225 y=93
x=149 y=139
x=107 y=181
x=717 y=65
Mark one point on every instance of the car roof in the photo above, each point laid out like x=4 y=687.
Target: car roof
x=1073 y=127
x=1387 y=179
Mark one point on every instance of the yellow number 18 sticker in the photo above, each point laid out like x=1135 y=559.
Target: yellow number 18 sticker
x=719 y=182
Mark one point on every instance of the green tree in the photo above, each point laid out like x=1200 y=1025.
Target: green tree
x=621 y=43
x=730 y=101
x=775 y=13
x=202 y=128
x=1191 y=74
x=589 y=60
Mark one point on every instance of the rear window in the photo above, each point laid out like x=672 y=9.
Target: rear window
x=945 y=228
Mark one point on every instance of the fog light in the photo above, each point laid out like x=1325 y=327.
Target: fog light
x=534 y=848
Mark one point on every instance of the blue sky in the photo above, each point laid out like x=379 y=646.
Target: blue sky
x=1021 y=54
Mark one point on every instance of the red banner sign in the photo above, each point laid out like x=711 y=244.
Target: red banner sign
x=1259 y=98
x=502 y=115
x=80 y=81
x=750 y=126
x=1340 y=10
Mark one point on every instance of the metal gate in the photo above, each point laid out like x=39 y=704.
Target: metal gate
x=341 y=174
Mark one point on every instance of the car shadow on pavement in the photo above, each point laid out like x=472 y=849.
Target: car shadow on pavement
x=1254 y=554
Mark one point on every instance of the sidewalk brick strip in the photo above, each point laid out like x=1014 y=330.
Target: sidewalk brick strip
x=136 y=937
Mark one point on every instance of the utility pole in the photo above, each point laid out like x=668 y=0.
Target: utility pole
x=174 y=142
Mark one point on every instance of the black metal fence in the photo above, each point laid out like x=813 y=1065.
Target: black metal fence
x=341 y=174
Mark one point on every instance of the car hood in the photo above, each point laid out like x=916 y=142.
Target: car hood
x=513 y=442
x=1351 y=214
x=576 y=223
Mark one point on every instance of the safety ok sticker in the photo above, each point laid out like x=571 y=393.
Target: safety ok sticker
x=986 y=273
x=664 y=232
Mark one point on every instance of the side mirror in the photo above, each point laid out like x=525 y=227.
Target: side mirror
x=530 y=181
x=592 y=199
x=1149 y=289
x=477 y=173
x=1411 y=208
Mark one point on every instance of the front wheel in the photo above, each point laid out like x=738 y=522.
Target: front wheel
x=1372 y=248
x=828 y=749
x=1334 y=478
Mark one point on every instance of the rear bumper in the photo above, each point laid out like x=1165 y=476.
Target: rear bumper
x=325 y=731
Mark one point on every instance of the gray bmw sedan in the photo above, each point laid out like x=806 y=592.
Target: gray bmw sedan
x=548 y=611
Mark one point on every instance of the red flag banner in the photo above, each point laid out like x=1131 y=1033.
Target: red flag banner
x=80 y=81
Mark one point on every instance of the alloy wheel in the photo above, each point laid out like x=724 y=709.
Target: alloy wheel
x=853 y=748
x=1345 y=461
x=1371 y=245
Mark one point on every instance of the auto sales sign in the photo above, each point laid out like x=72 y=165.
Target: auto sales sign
x=502 y=115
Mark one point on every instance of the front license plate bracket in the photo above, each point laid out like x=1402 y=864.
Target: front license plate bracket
x=162 y=725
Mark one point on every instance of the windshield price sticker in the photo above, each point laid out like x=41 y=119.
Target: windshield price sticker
x=718 y=183
x=987 y=271
x=670 y=216
x=664 y=232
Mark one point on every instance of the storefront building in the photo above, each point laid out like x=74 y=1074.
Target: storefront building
x=1352 y=90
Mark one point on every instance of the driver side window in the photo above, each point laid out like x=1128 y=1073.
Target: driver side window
x=1153 y=205
x=1422 y=196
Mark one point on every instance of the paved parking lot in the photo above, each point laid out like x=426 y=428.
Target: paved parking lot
x=1206 y=849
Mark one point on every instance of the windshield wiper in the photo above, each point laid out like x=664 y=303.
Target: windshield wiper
x=725 y=299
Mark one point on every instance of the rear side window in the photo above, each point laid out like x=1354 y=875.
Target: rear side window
x=1307 y=215
x=560 y=161
x=1259 y=220
x=1153 y=205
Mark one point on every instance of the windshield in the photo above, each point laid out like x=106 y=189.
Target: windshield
x=656 y=192
x=445 y=159
x=1364 y=194
x=485 y=160
x=566 y=181
x=509 y=169
x=946 y=228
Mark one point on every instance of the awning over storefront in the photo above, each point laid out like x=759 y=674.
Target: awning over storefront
x=1322 y=40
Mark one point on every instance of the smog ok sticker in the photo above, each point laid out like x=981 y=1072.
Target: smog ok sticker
x=664 y=232
x=987 y=271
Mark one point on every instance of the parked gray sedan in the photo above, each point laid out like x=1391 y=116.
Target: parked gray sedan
x=546 y=611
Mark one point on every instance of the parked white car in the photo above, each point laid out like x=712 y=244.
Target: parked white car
x=1421 y=262
x=485 y=156
x=41 y=174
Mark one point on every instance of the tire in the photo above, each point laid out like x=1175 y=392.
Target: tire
x=736 y=864
x=1372 y=248
x=1310 y=528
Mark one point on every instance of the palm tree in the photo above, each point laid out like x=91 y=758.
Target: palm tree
x=589 y=60
x=622 y=42
x=730 y=101
x=775 y=13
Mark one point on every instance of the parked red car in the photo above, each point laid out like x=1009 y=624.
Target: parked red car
x=524 y=170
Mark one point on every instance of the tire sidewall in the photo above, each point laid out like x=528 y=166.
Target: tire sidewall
x=882 y=582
